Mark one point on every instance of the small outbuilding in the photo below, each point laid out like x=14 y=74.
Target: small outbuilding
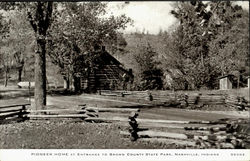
x=226 y=82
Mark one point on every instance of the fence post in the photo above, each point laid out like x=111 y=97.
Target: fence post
x=134 y=127
x=22 y=112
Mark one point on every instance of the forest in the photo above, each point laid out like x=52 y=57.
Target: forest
x=209 y=40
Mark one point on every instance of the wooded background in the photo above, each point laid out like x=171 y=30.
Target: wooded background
x=209 y=40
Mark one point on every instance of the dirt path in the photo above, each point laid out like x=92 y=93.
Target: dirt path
x=96 y=98
x=185 y=115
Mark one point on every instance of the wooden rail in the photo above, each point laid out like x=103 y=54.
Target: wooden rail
x=87 y=113
x=197 y=134
x=14 y=105
x=13 y=111
x=58 y=116
x=109 y=115
x=59 y=113
x=192 y=100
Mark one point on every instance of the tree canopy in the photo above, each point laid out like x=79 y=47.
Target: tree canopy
x=77 y=29
x=211 y=40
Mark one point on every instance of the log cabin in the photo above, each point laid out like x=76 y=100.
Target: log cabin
x=105 y=73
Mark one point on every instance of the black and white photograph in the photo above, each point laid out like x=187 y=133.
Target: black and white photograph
x=124 y=75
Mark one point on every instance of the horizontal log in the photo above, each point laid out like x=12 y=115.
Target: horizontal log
x=214 y=137
x=236 y=103
x=213 y=129
x=109 y=94
x=14 y=105
x=7 y=111
x=209 y=96
x=11 y=114
x=211 y=99
x=176 y=121
x=168 y=141
x=157 y=134
x=106 y=109
x=142 y=121
x=58 y=116
x=232 y=105
x=139 y=120
x=211 y=102
x=160 y=127
x=207 y=122
x=106 y=119
x=196 y=128
x=56 y=110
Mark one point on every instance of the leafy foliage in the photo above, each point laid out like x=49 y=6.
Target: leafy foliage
x=208 y=42
x=39 y=15
x=5 y=57
x=78 y=29
x=21 y=40
x=150 y=75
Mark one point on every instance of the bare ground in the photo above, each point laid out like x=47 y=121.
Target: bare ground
x=68 y=135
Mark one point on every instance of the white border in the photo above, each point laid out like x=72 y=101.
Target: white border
x=124 y=155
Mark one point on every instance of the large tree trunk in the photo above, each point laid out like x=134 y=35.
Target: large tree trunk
x=40 y=74
x=40 y=21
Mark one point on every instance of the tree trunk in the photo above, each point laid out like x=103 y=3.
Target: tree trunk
x=20 y=70
x=76 y=84
x=66 y=83
x=6 y=79
x=40 y=22
x=238 y=81
x=40 y=74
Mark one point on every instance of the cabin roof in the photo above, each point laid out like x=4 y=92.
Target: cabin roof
x=102 y=57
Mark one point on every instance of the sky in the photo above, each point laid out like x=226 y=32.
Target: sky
x=150 y=16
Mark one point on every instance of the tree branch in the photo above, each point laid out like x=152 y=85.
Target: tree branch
x=32 y=22
x=48 y=15
x=39 y=16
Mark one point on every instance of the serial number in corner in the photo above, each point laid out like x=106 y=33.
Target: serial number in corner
x=237 y=154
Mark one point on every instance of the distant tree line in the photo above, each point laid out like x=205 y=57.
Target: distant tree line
x=211 y=40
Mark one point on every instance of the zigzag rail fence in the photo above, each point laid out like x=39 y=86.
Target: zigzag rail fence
x=224 y=133
x=13 y=112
